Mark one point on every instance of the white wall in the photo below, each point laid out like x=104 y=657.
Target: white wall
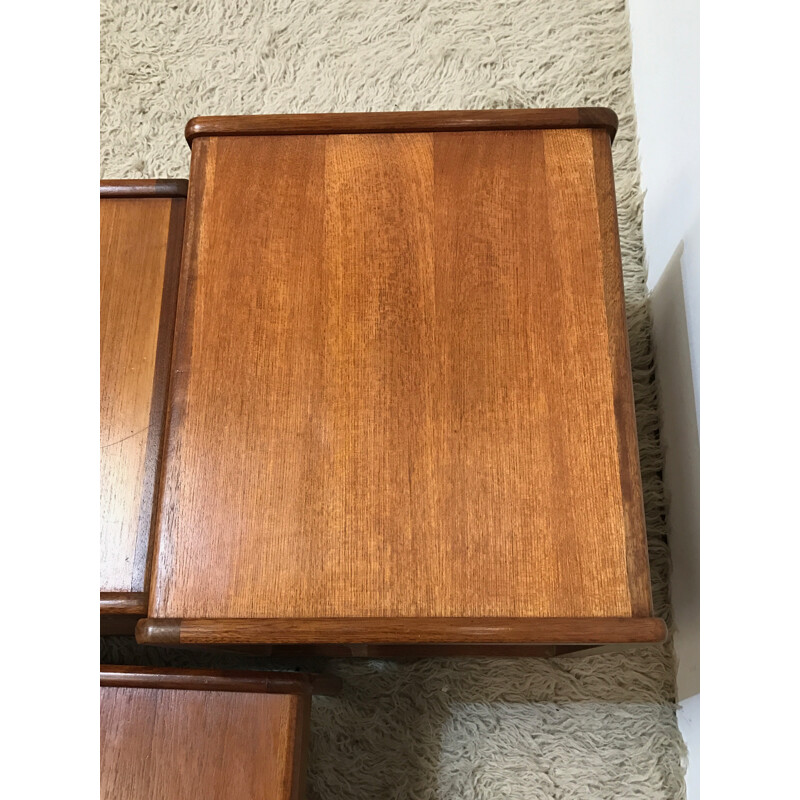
x=666 y=82
x=666 y=91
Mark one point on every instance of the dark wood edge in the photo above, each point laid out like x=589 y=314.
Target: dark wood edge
x=404 y=122
x=159 y=391
x=631 y=491
x=180 y=361
x=134 y=603
x=415 y=651
x=119 y=624
x=427 y=630
x=212 y=680
x=400 y=652
x=301 y=738
x=162 y=187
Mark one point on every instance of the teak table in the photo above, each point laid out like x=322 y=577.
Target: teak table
x=141 y=228
x=401 y=409
x=196 y=734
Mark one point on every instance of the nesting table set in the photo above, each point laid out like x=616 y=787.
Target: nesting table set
x=366 y=390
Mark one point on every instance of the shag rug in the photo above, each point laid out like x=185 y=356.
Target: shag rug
x=598 y=726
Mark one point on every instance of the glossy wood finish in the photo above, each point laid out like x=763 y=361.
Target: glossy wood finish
x=219 y=680
x=404 y=122
x=160 y=187
x=427 y=630
x=402 y=393
x=186 y=743
x=141 y=229
x=123 y=603
x=120 y=611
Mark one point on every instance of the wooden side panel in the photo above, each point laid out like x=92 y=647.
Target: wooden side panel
x=637 y=560
x=396 y=389
x=139 y=260
x=188 y=745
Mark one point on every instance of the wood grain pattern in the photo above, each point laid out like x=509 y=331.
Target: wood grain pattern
x=637 y=559
x=219 y=680
x=198 y=745
x=404 y=122
x=423 y=630
x=401 y=390
x=140 y=241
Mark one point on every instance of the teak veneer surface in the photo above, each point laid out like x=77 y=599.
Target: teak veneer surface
x=402 y=387
x=141 y=227
x=192 y=744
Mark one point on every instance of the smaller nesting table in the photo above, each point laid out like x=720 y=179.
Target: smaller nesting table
x=141 y=230
x=201 y=734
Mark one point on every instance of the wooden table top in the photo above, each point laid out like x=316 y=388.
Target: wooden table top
x=401 y=406
x=198 y=734
x=141 y=228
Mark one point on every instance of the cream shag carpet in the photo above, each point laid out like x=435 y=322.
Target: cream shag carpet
x=601 y=726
